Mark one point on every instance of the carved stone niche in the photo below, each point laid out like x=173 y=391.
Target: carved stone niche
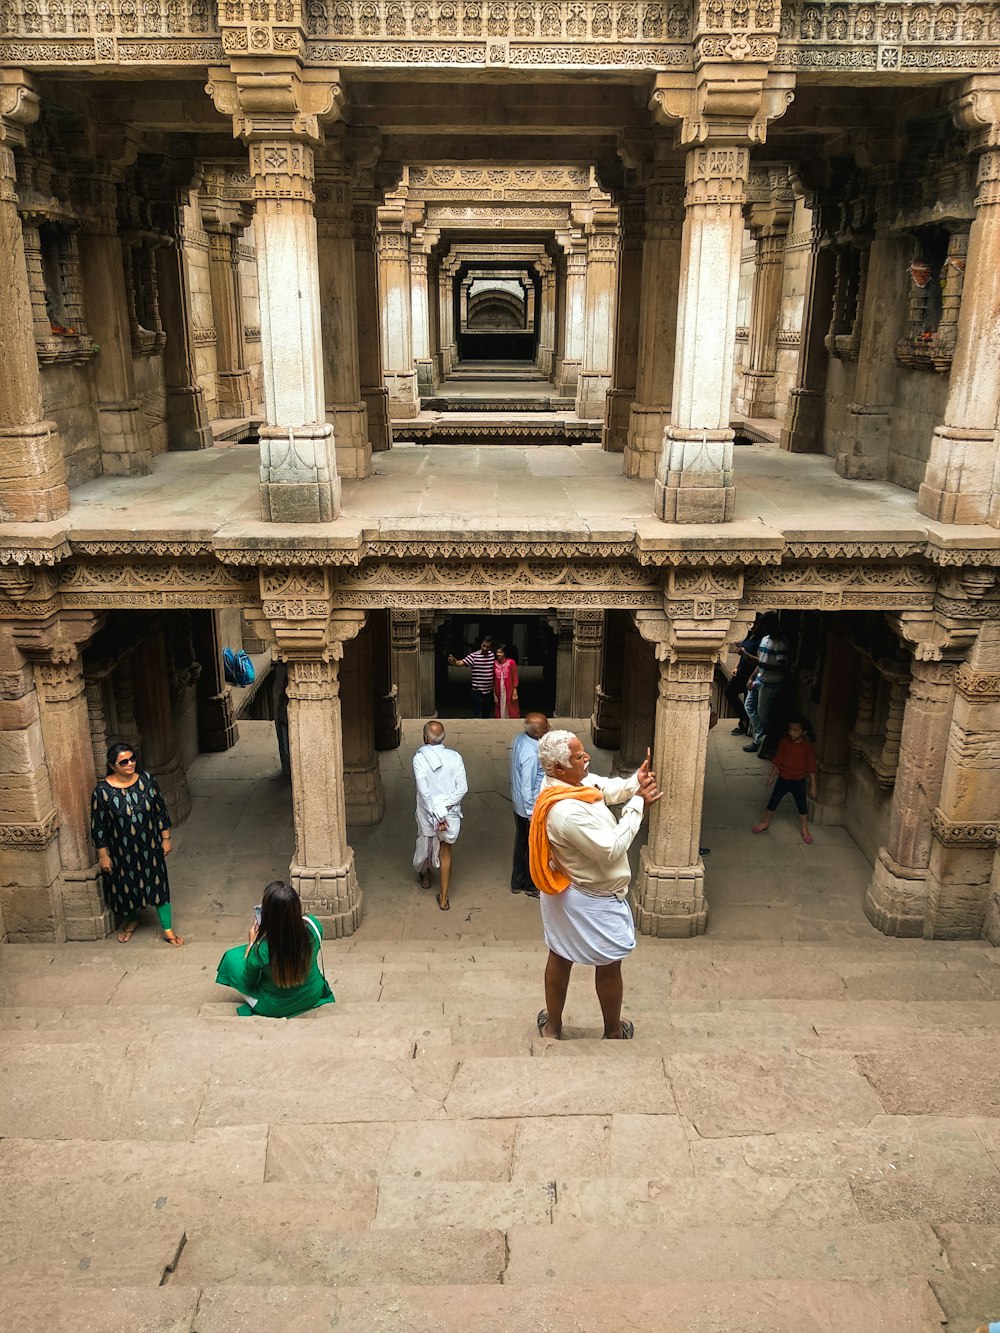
x=878 y=725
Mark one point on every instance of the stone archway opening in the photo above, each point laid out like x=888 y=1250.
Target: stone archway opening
x=528 y=638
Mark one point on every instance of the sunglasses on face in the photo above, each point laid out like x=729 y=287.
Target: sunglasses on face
x=123 y=763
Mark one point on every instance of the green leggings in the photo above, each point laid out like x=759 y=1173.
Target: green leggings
x=164 y=914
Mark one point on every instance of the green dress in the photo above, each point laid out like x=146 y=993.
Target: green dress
x=250 y=974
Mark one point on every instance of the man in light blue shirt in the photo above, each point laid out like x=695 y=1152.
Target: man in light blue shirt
x=525 y=783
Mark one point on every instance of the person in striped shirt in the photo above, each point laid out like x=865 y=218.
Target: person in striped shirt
x=480 y=663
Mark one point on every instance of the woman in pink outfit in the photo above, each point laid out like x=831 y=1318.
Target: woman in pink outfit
x=505 y=685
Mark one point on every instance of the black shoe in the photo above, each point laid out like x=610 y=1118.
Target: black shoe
x=704 y=851
x=738 y=731
x=531 y=893
x=750 y=749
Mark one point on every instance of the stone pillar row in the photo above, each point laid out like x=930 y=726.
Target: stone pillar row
x=768 y=222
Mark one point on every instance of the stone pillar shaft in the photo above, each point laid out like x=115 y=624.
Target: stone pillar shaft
x=833 y=727
x=802 y=432
x=160 y=753
x=695 y=476
x=298 y=475
x=406 y=665
x=599 y=318
x=363 y=795
x=232 y=375
x=396 y=307
x=420 y=312
x=32 y=466
x=187 y=411
x=374 y=394
x=621 y=393
x=574 y=319
x=769 y=225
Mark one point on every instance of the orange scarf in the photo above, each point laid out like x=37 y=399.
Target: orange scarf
x=544 y=874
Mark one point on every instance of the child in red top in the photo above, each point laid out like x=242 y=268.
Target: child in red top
x=794 y=762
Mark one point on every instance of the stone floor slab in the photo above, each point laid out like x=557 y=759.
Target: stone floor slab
x=511 y=1089
x=29 y=1309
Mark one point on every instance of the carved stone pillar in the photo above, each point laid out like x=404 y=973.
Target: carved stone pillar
x=606 y=724
x=896 y=902
x=588 y=641
x=701 y=605
x=768 y=222
x=32 y=466
x=964 y=823
x=187 y=411
x=570 y=359
x=833 y=723
x=396 y=307
x=406 y=664
x=621 y=393
x=661 y=259
x=30 y=897
x=546 y=316
x=345 y=408
x=225 y=221
x=217 y=729
x=638 y=699
x=160 y=751
x=374 y=394
x=125 y=445
x=603 y=244
x=802 y=432
x=363 y=795
x=279 y=118
x=962 y=481
x=563 y=626
x=694 y=482
x=869 y=418
x=388 y=732
x=423 y=368
x=429 y=624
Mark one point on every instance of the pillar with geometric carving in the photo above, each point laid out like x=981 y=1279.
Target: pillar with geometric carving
x=661 y=258
x=802 y=430
x=430 y=623
x=964 y=824
x=424 y=239
x=600 y=299
x=546 y=315
x=32 y=466
x=187 y=410
x=225 y=220
x=364 y=798
x=395 y=283
x=768 y=218
x=571 y=343
x=404 y=629
x=588 y=641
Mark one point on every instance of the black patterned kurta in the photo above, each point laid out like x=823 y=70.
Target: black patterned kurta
x=128 y=821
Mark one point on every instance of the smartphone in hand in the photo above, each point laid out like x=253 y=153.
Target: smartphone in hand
x=257 y=913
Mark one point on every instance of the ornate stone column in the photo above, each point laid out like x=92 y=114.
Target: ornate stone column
x=661 y=258
x=374 y=394
x=364 y=798
x=768 y=220
x=833 y=724
x=574 y=246
x=603 y=244
x=721 y=110
x=670 y=885
x=621 y=392
x=606 y=723
x=588 y=641
x=187 y=411
x=397 y=332
x=279 y=117
x=160 y=751
x=962 y=483
x=217 y=729
x=637 y=714
x=869 y=418
x=896 y=902
x=32 y=466
x=421 y=245
x=388 y=733
x=964 y=822
x=546 y=316
x=404 y=629
x=345 y=408
x=562 y=625
x=802 y=432
x=429 y=624
x=225 y=221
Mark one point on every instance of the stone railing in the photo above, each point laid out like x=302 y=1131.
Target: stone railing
x=873 y=36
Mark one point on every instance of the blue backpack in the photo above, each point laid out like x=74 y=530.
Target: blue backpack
x=238 y=667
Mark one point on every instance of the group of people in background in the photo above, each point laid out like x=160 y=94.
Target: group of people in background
x=494 y=679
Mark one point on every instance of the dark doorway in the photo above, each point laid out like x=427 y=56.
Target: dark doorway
x=529 y=638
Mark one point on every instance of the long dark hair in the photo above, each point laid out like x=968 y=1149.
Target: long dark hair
x=289 y=939
x=115 y=750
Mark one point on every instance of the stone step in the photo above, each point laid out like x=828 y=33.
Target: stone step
x=685 y=1306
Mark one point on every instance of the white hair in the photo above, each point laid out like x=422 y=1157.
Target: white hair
x=553 y=750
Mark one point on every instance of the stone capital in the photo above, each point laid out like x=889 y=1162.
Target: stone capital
x=59 y=639
x=19 y=105
x=976 y=110
x=932 y=638
x=276 y=99
x=723 y=103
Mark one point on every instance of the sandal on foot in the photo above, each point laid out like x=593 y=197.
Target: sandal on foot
x=175 y=940
x=444 y=906
x=127 y=931
x=628 y=1030
x=540 y=1021
x=807 y=837
x=759 y=828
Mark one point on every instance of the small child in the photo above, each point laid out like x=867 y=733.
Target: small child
x=793 y=763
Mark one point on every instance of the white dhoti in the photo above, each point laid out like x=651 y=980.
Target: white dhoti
x=427 y=853
x=584 y=929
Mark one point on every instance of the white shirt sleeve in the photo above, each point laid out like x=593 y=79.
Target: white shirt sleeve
x=592 y=838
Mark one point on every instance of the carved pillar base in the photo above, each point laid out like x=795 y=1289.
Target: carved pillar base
x=235 y=393
x=758 y=393
x=404 y=403
x=646 y=428
x=363 y=794
x=298 y=478
x=896 y=901
x=379 y=429
x=670 y=901
x=959 y=485
x=330 y=893
x=32 y=473
x=350 y=434
x=217 y=729
x=87 y=916
x=617 y=406
x=124 y=445
x=802 y=432
x=868 y=452
x=424 y=371
x=567 y=376
x=695 y=479
x=591 y=393
x=187 y=419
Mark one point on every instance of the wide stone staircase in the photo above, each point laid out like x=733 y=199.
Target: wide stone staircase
x=802 y=1138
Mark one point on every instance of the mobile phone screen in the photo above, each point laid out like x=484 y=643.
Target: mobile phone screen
x=256 y=913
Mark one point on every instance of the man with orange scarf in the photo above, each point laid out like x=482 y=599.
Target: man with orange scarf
x=579 y=860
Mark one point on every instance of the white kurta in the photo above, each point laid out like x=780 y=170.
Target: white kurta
x=441 y=784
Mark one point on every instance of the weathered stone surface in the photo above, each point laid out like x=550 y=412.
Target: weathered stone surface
x=515 y=1088
x=141 y=1309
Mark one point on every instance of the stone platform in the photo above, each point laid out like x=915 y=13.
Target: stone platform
x=804 y=1136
